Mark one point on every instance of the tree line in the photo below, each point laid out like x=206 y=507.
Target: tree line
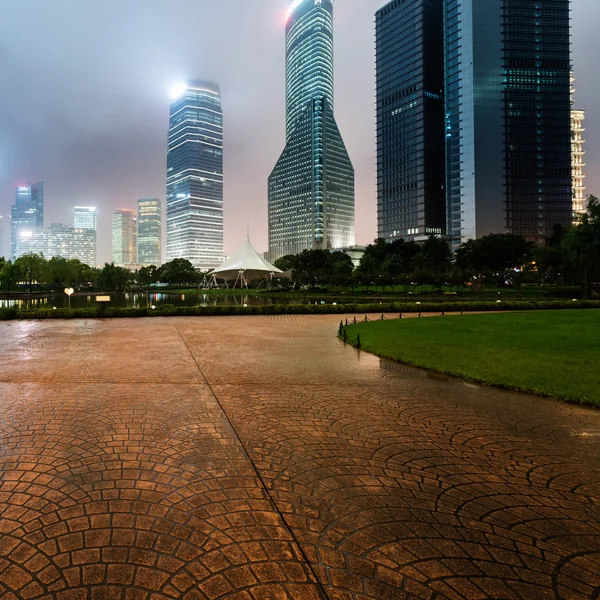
x=567 y=257
x=33 y=272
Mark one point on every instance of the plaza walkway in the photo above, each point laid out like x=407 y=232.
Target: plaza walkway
x=258 y=458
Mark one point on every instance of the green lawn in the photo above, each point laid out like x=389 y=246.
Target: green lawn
x=554 y=353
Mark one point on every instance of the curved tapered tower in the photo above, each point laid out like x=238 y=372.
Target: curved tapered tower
x=311 y=188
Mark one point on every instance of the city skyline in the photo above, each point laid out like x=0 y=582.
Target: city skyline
x=117 y=156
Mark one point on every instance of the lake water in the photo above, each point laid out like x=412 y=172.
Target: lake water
x=138 y=300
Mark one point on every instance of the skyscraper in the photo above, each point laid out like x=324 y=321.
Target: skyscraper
x=195 y=176
x=84 y=226
x=37 y=197
x=508 y=135
x=59 y=240
x=149 y=224
x=311 y=188
x=124 y=242
x=577 y=157
x=410 y=120
x=27 y=212
x=85 y=217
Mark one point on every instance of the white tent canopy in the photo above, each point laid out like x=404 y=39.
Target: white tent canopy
x=246 y=265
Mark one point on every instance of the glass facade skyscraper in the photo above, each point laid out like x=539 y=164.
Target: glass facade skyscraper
x=85 y=217
x=194 y=206
x=149 y=223
x=124 y=237
x=59 y=240
x=508 y=138
x=84 y=233
x=410 y=120
x=311 y=188
x=26 y=214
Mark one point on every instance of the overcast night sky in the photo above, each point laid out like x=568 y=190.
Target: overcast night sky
x=85 y=100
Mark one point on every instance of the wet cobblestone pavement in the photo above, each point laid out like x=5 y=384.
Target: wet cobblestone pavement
x=258 y=458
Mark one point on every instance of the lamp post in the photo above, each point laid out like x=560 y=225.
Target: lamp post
x=69 y=292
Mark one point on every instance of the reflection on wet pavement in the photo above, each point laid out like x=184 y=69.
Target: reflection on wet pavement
x=259 y=458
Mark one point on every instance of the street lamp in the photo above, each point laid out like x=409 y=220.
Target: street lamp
x=69 y=293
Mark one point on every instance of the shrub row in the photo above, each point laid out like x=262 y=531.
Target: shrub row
x=299 y=309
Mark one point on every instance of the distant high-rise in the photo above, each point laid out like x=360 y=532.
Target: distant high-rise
x=124 y=234
x=37 y=197
x=410 y=120
x=577 y=158
x=27 y=213
x=508 y=128
x=149 y=223
x=194 y=206
x=84 y=225
x=311 y=188
x=59 y=240
x=85 y=217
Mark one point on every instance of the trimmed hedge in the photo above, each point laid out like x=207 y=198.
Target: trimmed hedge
x=290 y=309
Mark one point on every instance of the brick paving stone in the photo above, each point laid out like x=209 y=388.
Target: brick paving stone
x=239 y=458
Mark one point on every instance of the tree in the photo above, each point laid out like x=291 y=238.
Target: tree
x=287 y=262
x=437 y=256
x=384 y=262
x=60 y=272
x=311 y=267
x=339 y=267
x=581 y=247
x=8 y=275
x=494 y=253
x=148 y=275
x=178 y=271
x=112 y=278
x=30 y=268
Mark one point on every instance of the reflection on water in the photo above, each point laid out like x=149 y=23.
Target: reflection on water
x=140 y=300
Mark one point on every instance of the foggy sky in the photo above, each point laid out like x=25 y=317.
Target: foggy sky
x=85 y=100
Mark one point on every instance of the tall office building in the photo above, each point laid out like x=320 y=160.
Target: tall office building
x=37 y=197
x=194 y=206
x=577 y=157
x=311 y=188
x=32 y=240
x=59 y=240
x=85 y=226
x=124 y=237
x=410 y=120
x=149 y=223
x=85 y=217
x=508 y=133
x=27 y=213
